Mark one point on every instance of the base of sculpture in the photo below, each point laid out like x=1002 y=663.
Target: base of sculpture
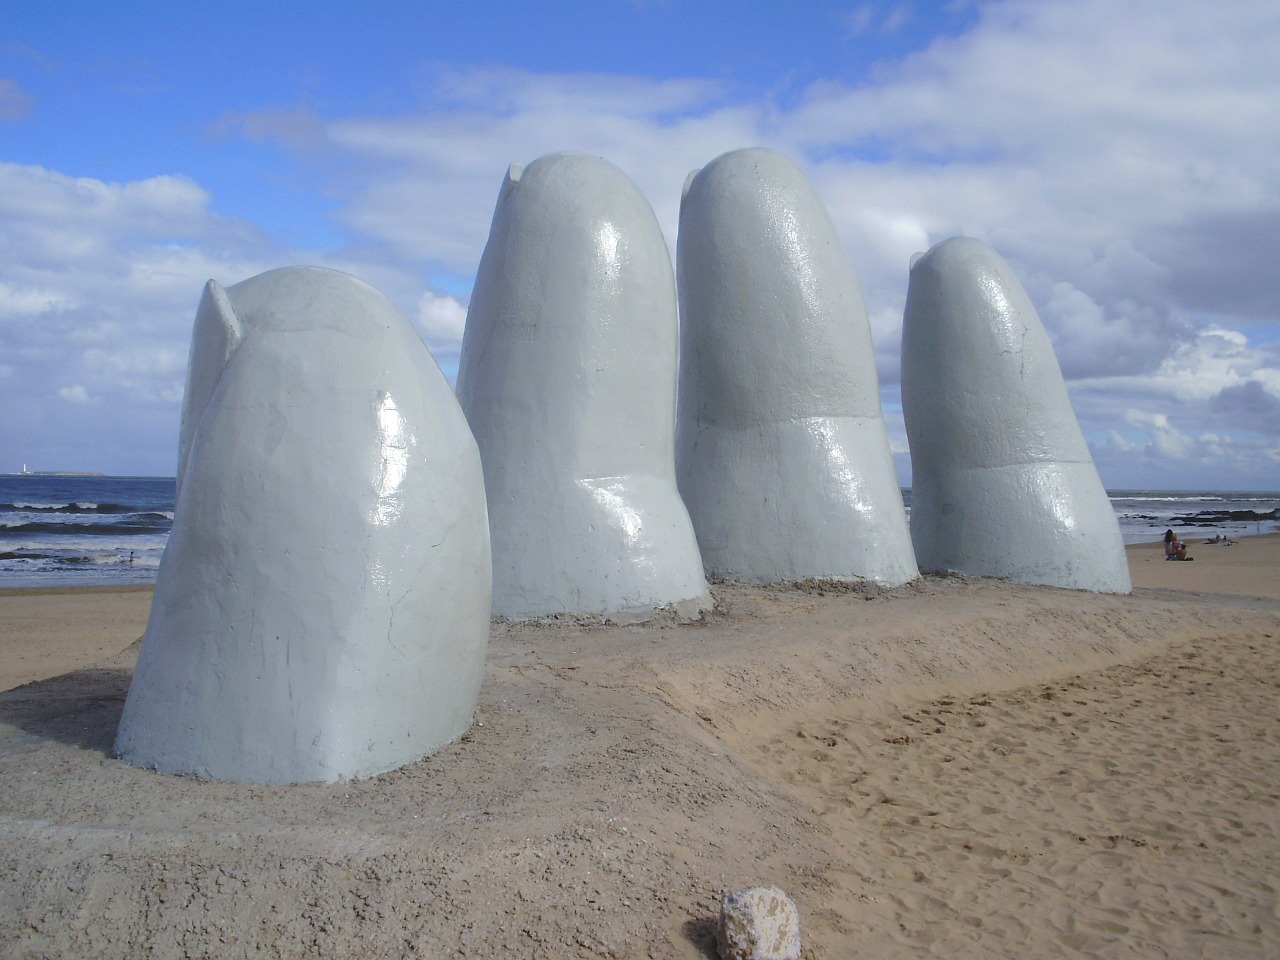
x=782 y=456
x=792 y=538
x=1004 y=484
x=568 y=379
x=975 y=508
x=600 y=527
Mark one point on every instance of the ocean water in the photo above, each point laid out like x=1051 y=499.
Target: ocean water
x=74 y=531
x=1145 y=515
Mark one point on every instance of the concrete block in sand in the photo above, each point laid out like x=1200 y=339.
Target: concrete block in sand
x=322 y=608
x=781 y=448
x=1003 y=482
x=759 y=924
x=568 y=379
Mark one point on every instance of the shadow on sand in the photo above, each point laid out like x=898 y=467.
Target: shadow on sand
x=81 y=709
x=701 y=932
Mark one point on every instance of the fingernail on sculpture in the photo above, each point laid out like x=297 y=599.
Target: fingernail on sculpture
x=782 y=454
x=1003 y=483
x=567 y=377
x=322 y=608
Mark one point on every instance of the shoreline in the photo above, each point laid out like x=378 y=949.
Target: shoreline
x=71 y=546
x=64 y=590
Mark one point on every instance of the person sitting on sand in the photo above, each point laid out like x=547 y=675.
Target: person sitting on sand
x=1174 y=549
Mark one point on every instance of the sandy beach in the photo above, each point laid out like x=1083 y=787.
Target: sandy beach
x=955 y=768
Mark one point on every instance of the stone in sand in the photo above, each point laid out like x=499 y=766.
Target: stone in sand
x=759 y=924
x=1003 y=482
x=568 y=378
x=322 y=608
x=781 y=451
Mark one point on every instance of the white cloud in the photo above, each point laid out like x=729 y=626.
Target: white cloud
x=1167 y=442
x=98 y=287
x=441 y=317
x=439 y=171
x=1121 y=442
x=441 y=320
x=1120 y=155
x=99 y=284
x=76 y=394
x=31 y=301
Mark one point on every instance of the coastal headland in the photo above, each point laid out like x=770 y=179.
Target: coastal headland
x=961 y=767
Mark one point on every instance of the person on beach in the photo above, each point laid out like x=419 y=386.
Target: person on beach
x=1174 y=549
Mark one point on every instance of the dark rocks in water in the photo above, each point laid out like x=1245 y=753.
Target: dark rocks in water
x=1207 y=518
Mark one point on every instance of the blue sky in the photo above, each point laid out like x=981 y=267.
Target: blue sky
x=1123 y=156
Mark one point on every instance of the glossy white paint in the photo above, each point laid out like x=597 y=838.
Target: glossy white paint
x=322 y=608
x=782 y=454
x=567 y=376
x=1003 y=482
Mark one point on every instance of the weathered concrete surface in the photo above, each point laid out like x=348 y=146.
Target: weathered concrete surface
x=1003 y=483
x=322 y=608
x=781 y=453
x=568 y=377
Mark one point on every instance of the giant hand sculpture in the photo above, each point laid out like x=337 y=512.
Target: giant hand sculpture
x=322 y=608
x=567 y=377
x=782 y=454
x=1003 y=482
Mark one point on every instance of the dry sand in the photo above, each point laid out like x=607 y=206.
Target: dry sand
x=44 y=633
x=957 y=768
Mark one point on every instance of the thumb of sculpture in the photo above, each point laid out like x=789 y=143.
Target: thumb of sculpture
x=759 y=924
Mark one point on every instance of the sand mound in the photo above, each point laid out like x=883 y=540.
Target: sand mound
x=957 y=767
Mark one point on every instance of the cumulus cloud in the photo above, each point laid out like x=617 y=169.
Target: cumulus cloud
x=441 y=317
x=1167 y=442
x=1119 y=155
x=441 y=320
x=98 y=287
x=99 y=284
x=1151 y=450
x=438 y=171
x=1082 y=141
x=31 y=301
